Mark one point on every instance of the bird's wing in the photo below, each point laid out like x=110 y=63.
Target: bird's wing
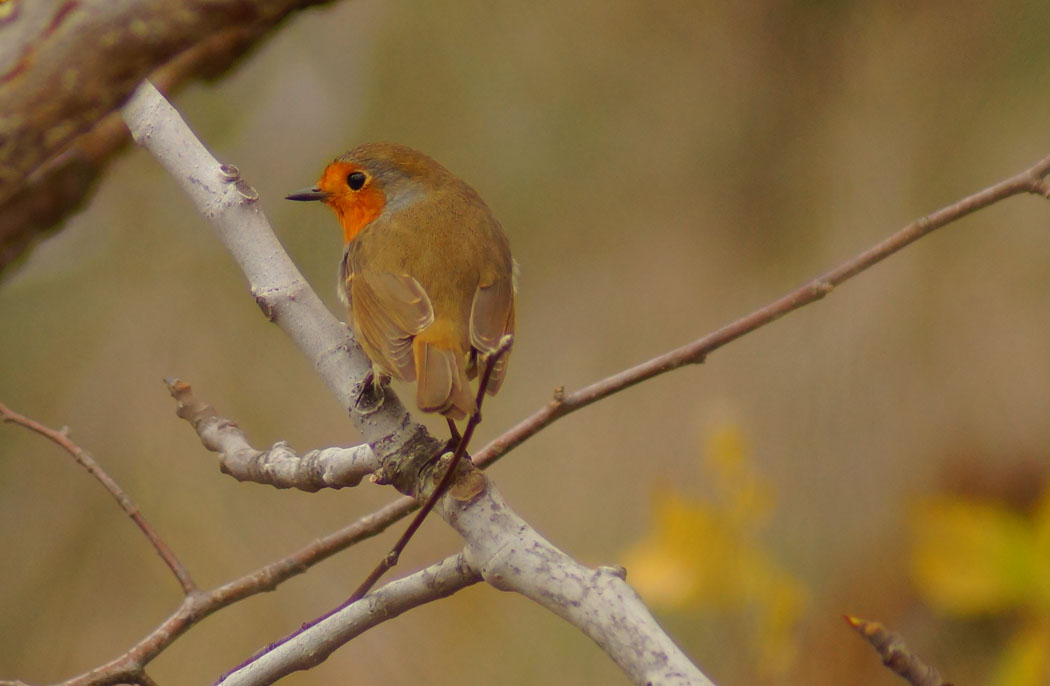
x=388 y=310
x=491 y=318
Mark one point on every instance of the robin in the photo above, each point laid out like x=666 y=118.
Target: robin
x=427 y=274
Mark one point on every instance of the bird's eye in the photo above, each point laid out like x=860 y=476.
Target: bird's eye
x=356 y=180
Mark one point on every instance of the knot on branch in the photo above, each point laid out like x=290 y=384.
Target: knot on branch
x=404 y=464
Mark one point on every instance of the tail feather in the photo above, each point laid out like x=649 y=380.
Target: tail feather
x=441 y=380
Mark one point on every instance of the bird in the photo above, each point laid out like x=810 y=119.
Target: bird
x=427 y=275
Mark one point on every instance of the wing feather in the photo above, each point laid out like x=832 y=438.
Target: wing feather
x=491 y=318
x=388 y=310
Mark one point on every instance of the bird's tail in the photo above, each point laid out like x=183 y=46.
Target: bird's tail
x=441 y=379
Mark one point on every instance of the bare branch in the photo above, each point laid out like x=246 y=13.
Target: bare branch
x=279 y=466
x=895 y=655
x=513 y=557
x=84 y=459
x=313 y=646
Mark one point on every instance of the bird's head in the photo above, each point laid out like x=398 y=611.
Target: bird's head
x=372 y=179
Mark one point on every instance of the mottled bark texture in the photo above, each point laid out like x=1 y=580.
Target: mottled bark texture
x=66 y=66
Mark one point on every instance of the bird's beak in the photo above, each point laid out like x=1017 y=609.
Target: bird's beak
x=311 y=193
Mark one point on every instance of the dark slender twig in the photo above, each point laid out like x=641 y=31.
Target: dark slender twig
x=1030 y=180
x=895 y=655
x=85 y=460
x=391 y=558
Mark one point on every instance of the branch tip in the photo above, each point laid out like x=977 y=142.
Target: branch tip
x=895 y=654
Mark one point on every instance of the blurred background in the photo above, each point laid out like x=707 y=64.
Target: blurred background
x=662 y=169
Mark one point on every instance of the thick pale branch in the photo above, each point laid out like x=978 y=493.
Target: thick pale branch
x=511 y=556
x=314 y=645
x=279 y=466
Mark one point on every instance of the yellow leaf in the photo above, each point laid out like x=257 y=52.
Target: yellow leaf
x=971 y=557
x=1041 y=525
x=672 y=566
x=708 y=554
x=660 y=575
x=1026 y=661
x=747 y=498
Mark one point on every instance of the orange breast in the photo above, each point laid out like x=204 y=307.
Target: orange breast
x=355 y=209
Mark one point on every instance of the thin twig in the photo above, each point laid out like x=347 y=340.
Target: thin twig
x=85 y=460
x=895 y=655
x=1030 y=180
x=390 y=559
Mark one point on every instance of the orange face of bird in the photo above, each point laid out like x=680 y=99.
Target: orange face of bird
x=352 y=192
